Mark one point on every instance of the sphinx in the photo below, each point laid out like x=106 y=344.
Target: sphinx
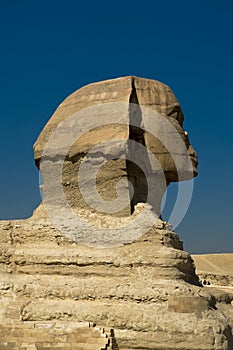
x=125 y=137
x=95 y=266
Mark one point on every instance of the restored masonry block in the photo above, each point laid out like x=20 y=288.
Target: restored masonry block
x=55 y=336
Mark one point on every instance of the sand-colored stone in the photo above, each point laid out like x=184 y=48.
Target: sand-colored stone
x=55 y=336
x=215 y=269
x=146 y=289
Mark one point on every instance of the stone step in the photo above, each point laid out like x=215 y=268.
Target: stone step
x=71 y=338
x=51 y=346
x=69 y=346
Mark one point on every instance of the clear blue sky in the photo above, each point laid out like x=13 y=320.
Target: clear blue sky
x=51 y=48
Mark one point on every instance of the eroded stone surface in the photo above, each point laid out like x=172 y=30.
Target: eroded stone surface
x=147 y=291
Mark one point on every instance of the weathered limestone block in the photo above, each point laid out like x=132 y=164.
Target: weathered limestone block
x=147 y=291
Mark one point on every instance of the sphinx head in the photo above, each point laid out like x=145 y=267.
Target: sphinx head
x=125 y=137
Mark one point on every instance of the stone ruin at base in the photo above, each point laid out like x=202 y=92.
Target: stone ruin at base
x=58 y=288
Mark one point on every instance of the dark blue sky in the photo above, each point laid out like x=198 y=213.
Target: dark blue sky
x=51 y=48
